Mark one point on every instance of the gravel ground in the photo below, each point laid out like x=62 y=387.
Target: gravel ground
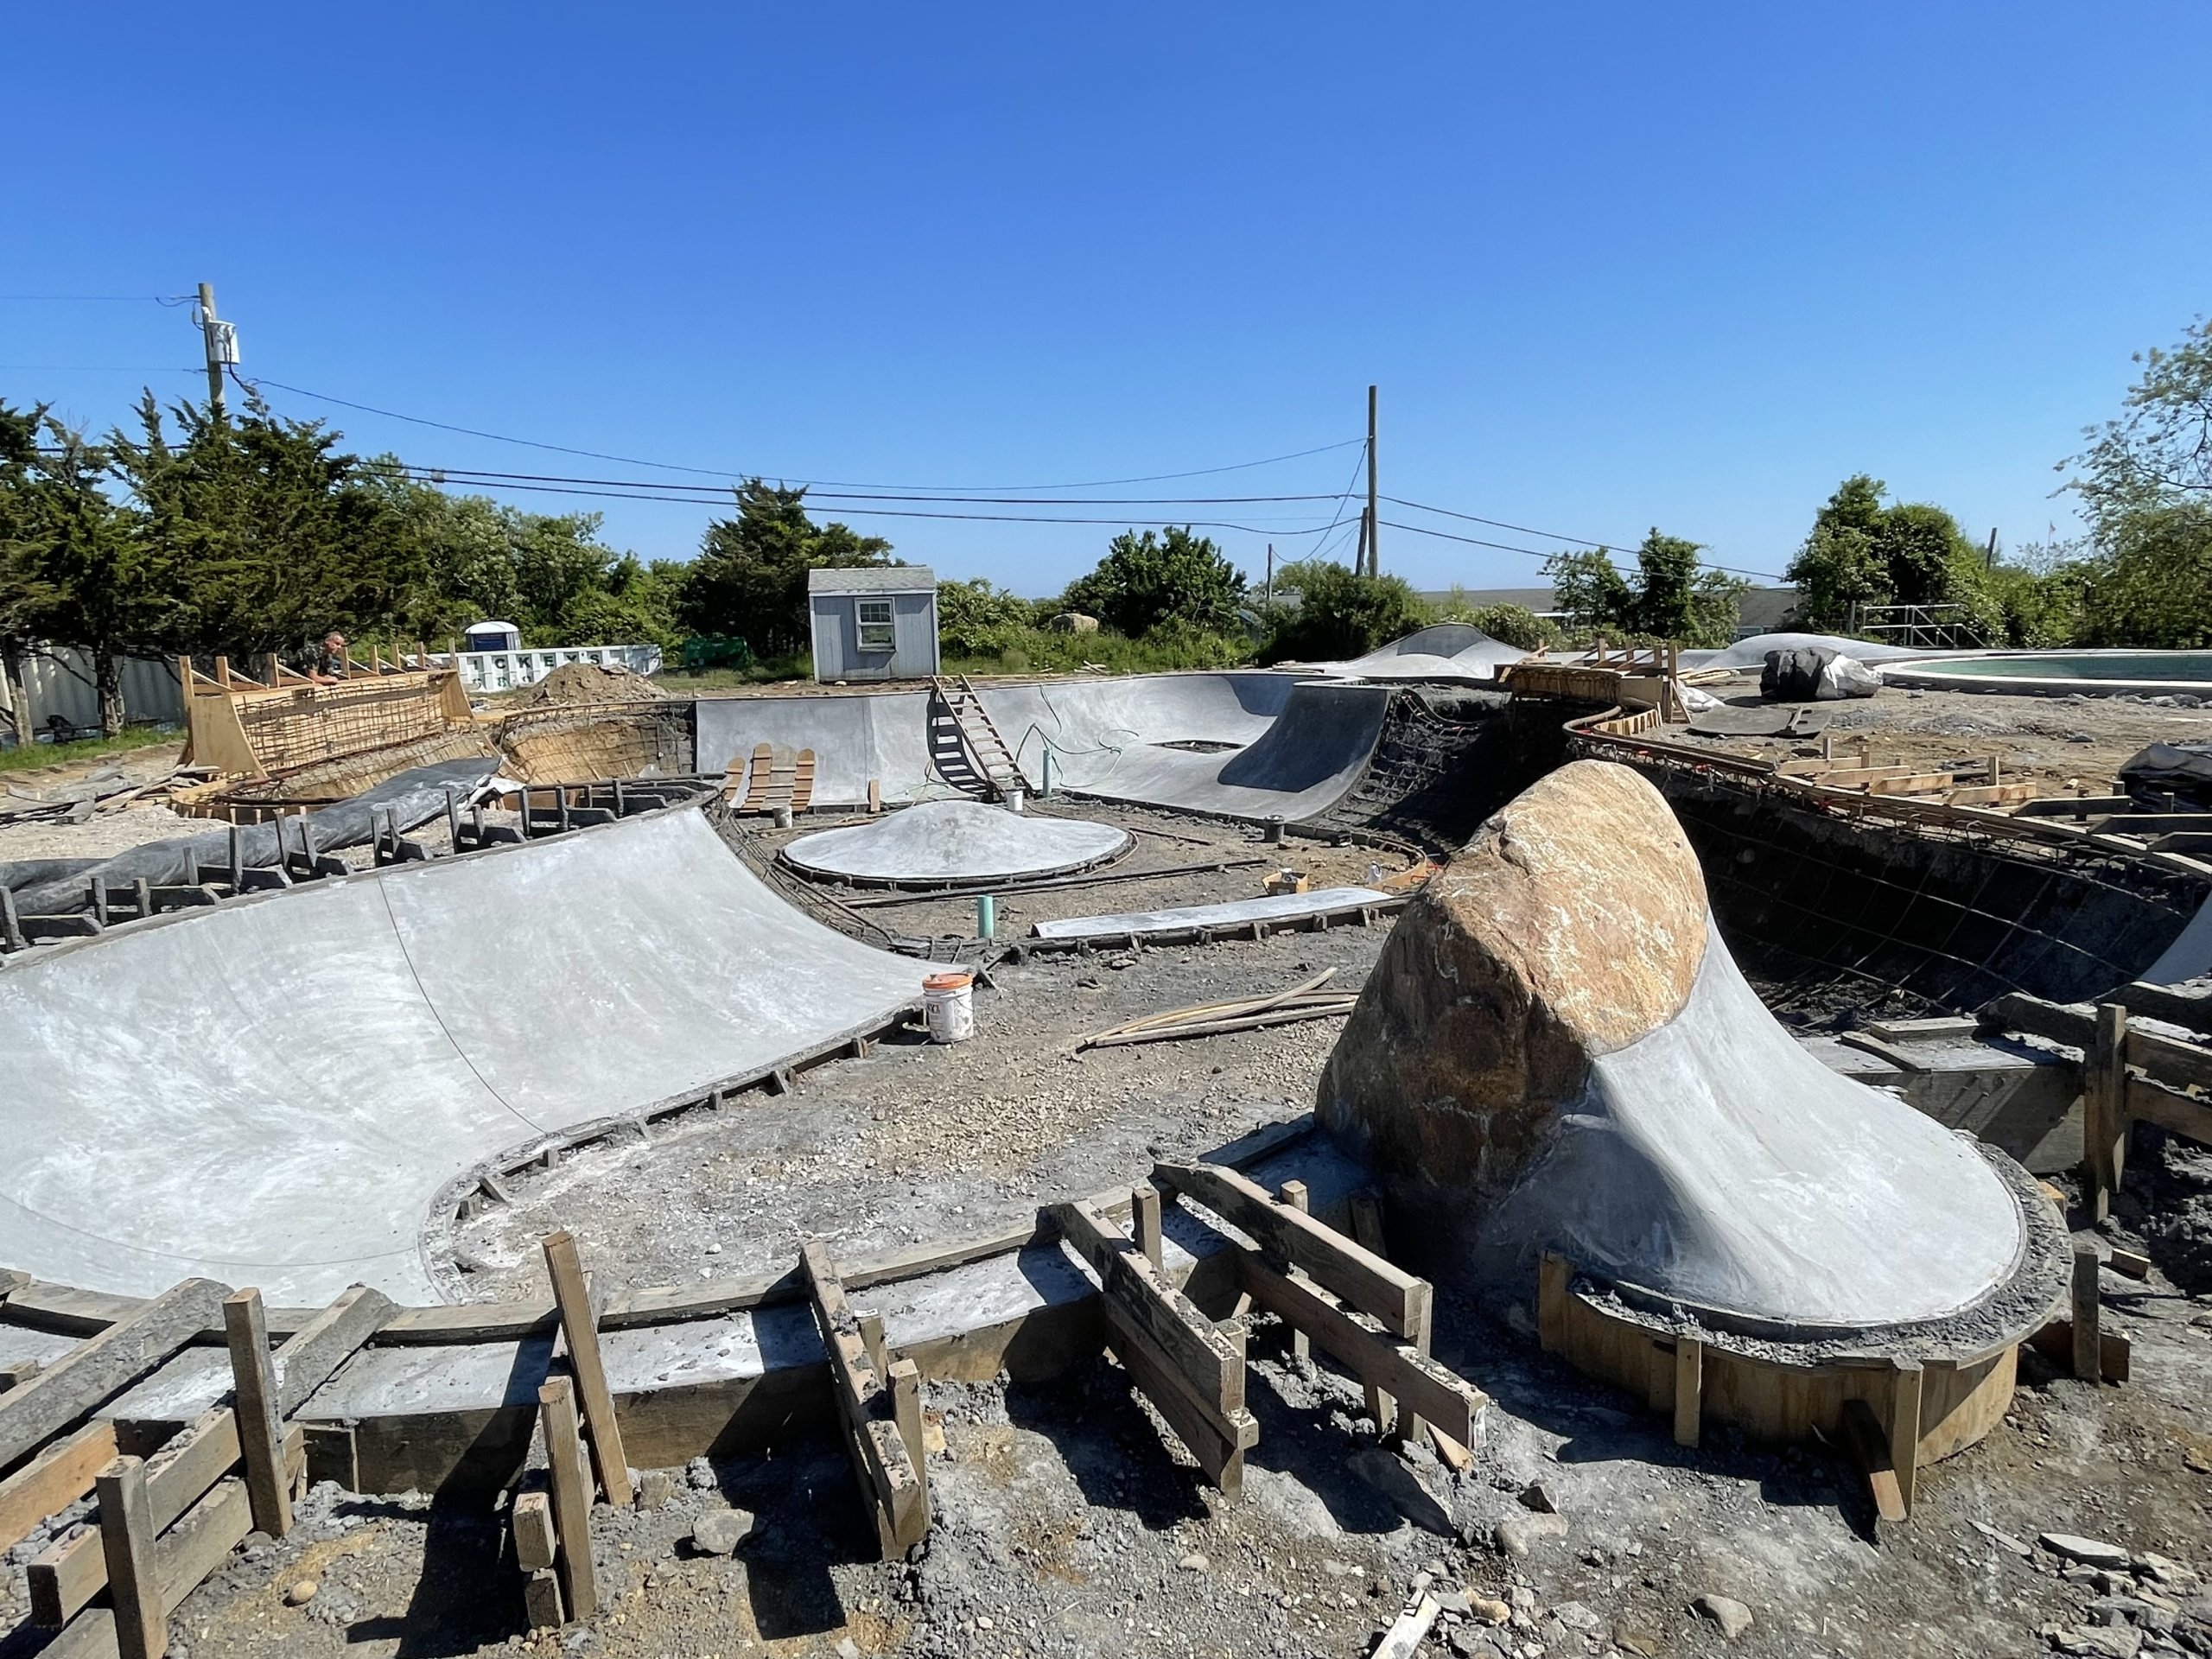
x=103 y=833
x=2059 y=743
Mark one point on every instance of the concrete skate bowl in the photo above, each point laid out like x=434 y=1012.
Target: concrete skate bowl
x=1558 y=1050
x=947 y=843
x=278 y=1089
x=2064 y=673
x=1447 y=650
x=1247 y=745
x=1830 y=908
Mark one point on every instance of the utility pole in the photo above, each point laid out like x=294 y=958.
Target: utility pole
x=1372 y=538
x=1267 y=601
x=221 y=339
x=1992 y=559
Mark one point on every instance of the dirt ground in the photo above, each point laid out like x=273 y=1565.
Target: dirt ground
x=103 y=833
x=2061 y=744
x=921 y=1140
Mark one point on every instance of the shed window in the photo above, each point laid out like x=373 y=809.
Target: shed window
x=876 y=631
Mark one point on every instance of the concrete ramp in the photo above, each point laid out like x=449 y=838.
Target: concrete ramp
x=1448 y=650
x=1255 y=745
x=273 y=1091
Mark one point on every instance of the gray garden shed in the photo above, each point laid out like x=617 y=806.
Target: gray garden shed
x=876 y=624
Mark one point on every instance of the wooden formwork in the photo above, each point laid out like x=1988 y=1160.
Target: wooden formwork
x=243 y=727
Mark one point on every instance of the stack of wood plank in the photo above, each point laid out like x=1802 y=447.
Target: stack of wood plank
x=1305 y=1002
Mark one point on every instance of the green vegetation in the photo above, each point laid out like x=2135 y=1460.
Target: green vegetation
x=1339 y=612
x=1146 y=583
x=749 y=579
x=1513 y=625
x=28 y=756
x=1673 y=597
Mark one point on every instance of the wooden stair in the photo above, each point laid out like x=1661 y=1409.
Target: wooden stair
x=965 y=749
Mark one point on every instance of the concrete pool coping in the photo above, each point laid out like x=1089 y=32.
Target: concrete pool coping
x=1931 y=674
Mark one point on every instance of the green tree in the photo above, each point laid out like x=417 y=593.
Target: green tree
x=93 y=584
x=1678 y=600
x=749 y=581
x=1147 y=580
x=2158 y=453
x=1589 y=591
x=1340 y=614
x=976 y=618
x=22 y=587
x=1512 y=625
x=1861 y=552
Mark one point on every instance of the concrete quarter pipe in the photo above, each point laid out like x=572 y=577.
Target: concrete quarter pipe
x=272 y=1091
x=1260 y=744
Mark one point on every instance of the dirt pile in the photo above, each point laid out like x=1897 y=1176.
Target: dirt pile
x=574 y=683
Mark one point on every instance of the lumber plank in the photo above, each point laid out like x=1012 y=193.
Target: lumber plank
x=182 y=1559
x=579 y=1326
x=1216 y=1441
x=2192 y=1012
x=1904 y=1427
x=1403 y=1639
x=1870 y=1449
x=571 y=1496
x=1298 y=1197
x=1690 y=1390
x=105 y=1365
x=1371 y=1354
x=260 y=1430
x=73 y=1570
x=57 y=1478
x=2150 y=1102
x=2104 y=1109
x=2089 y=1358
x=540 y=1598
x=311 y=1354
x=1145 y=1222
x=2115 y=1354
x=891 y=1480
x=1352 y=1273
x=127 y=1541
x=1187 y=1341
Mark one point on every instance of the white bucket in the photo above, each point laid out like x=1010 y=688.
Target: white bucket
x=948 y=1006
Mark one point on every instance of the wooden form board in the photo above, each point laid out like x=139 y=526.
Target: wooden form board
x=111 y=1362
x=243 y=727
x=1401 y=1301
x=1190 y=1370
x=890 y=1471
x=579 y=1329
x=569 y=1477
x=1930 y=1409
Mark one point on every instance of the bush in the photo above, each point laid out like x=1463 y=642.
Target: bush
x=1145 y=579
x=1511 y=625
x=1339 y=612
x=978 y=619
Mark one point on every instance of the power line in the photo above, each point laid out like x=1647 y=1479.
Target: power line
x=1499 y=524
x=715 y=492
x=708 y=472
x=1542 y=553
x=92 y=299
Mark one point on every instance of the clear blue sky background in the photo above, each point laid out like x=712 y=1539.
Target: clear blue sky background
x=1613 y=265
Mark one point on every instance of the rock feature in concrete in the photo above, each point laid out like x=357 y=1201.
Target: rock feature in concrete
x=946 y=841
x=1557 y=1052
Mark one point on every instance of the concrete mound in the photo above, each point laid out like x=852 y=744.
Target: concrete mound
x=1557 y=1052
x=942 y=842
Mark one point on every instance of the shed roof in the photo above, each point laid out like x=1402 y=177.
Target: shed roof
x=873 y=579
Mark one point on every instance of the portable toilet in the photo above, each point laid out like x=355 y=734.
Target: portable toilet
x=491 y=636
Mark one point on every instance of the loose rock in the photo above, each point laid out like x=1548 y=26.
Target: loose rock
x=719 y=1532
x=299 y=1593
x=1731 y=1615
x=2088 y=1551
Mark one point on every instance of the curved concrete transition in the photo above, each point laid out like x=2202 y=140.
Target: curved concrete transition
x=1262 y=745
x=1557 y=1045
x=1445 y=650
x=943 y=841
x=272 y=1091
x=1752 y=653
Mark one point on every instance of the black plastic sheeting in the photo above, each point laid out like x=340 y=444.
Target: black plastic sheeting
x=60 y=886
x=2170 y=776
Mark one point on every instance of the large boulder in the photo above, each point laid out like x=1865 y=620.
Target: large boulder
x=1556 y=1053
x=1572 y=924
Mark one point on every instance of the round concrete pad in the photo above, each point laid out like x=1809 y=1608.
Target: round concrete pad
x=955 y=840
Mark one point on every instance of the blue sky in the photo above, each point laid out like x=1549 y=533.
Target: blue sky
x=1611 y=265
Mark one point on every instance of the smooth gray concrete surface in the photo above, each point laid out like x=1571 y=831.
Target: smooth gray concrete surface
x=956 y=841
x=2012 y=1095
x=1274 y=907
x=1752 y=653
x=1272 y=745
x=272 y=1091
x=1717 y=1161
x=1448 y=650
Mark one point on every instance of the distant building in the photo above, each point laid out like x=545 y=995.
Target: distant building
x=874 y=623
x=1760 y=610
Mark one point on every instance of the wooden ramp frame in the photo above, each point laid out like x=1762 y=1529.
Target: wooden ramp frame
x=880 y=1406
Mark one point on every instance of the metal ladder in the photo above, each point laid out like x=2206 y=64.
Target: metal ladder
x=963 y=740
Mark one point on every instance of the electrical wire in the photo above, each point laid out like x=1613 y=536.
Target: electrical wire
x=1544 y=553
x=709 y=471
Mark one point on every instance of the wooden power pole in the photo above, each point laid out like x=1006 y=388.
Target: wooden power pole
x=1374 y=522
x=221 y=340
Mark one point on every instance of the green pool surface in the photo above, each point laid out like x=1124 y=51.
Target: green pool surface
x=2151 y=666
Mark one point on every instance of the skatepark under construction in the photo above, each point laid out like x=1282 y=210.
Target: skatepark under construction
x=1729 y=1082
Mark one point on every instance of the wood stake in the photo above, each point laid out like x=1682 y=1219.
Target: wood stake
x=2104 y=1109
x=2089 y=1355
x=557 y=1412
x=141 y=1624
x=261 y=1431
x=1904 y=1428
x=536 y=1544
x=1294 y=1194
x=1367 y=1228
x=581 y=1326
x=1145 y=1221
x=1689 y=1389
